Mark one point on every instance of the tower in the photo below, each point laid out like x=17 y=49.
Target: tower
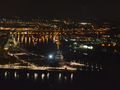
x=59 y=58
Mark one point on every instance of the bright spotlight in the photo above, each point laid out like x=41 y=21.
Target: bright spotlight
x=50 y=56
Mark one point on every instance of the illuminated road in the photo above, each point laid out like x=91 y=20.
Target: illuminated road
x=12 y=66
x=22 y=61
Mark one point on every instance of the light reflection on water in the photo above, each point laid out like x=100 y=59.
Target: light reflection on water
x=37 y=76
x=71 y=76
x=60 y=75
x=28 y=75
x=16 y=75
x=65 y=77
x=6 y=73
x=48 y=74
x=42 y=76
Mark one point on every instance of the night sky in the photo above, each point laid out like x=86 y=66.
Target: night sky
x=100 y=9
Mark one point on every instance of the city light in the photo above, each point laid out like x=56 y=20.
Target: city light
x=86 y=47
x=54 y=49
x=50 y=56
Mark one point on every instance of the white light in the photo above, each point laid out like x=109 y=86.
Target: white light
x=66 y=40
x=50 y=56
x=60 y=75
x=5 y=48
x=83 y=23
x=71 y=76
x=75 y=43
x=28 y=75
x=43 y=75
x=73 y=39
x=35 y=75
x=65 y=77
x=6 y=74
x=85 y=46
x=90 y=47
x=15 y=74
x=48 y=75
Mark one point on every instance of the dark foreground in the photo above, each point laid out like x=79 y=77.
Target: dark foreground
x=42 y=80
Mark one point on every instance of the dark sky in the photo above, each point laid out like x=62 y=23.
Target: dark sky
x=101 y=9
